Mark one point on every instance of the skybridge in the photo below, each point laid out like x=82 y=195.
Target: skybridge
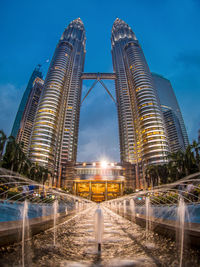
x=98 y=77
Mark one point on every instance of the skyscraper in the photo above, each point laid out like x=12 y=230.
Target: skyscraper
x=55 y=132
x=54 y=136
x=36 y=73
x=174 y=131
x=141 y=127
x=26 y=124
x=170 y=105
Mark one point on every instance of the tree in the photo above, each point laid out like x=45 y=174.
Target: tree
x=16 y=160
x=9 y=159
x=177 y=159
x=3 y=139
x=196 y=148
x=190 y=162
x=173 y=172
x=14 y=157
x=151 y=175
x=45 y=175
x=163 y=173
x=39 y=173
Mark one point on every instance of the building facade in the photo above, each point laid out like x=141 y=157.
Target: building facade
x=171 y=109
x=26 y=124
x=55 y=131
x=98 y=181
x=174 y=131
x=143 y=139
x=36 y=73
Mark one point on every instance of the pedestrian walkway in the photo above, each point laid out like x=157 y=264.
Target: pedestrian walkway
x=124 y=244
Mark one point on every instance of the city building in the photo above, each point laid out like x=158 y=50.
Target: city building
x=143 y=139
x=98 y=181
x=55 y=131
x=26 y=124
x=174 y=131
x=36 y=73
x=178 y=140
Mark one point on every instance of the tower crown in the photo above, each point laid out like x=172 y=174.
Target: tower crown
x=118 y=21
x=78 y=20
x=121 y=30
x=75 y=30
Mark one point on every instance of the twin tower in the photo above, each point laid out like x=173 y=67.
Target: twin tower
x=142 y=133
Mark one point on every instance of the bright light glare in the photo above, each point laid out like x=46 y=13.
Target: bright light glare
x=104 y=164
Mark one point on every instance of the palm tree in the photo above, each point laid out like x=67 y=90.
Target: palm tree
x=173 y=172
x=33 y=171
x=196 y=148
x=3 y=139
x=190 y=161
x=27 y=167
x=21 y=160
x=45 y=175
x=10 y=154
x=14 y=158
x=151 y=175
x=163 y=173
x=183 y=163
x=39 y=173
x=178 y=160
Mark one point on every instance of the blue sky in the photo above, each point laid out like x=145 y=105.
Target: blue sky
x=168 y=31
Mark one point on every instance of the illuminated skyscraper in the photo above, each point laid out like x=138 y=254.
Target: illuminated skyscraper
x=55 y=132
x=169 y=102
x=141 y=127
x=26 y=124
x=36 y=73
x=174 y=131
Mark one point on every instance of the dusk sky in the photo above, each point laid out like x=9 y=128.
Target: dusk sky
x=168 y=31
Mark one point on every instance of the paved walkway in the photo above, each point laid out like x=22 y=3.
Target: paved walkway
x=124 y=244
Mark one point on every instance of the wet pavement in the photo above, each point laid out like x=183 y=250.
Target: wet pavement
x=124 y=244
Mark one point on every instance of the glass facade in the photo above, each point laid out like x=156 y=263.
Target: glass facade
x=168 y=101
x=143 y=138
x=55 y=132
x=36 y=73
x=174 y=131
x=26 y=125
x=98 y=191
x=97 y=182
x=94 y=171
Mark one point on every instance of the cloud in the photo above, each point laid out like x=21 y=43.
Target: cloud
x=98 y=132
x=189 y=59
x=100 y=142
x=10 y=97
